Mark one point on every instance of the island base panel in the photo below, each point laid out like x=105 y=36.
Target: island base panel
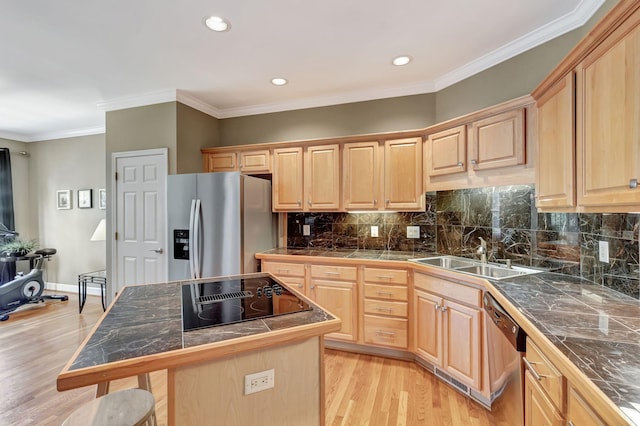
x=213 y=392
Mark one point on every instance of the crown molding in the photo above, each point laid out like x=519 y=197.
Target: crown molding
x=73 y=133
x=572 y=20
x=339 y=99
x=134 y=101
x=195 y=103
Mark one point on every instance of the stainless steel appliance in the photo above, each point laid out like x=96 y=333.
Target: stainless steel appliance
x=217 y=222
x=507 y=345
x=236 y=299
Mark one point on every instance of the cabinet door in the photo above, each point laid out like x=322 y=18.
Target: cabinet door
x=340 y=299
x=497 y=141
x=287 y=179
x=255 y=161
x=579 y=413
x=538 y=410
x=220 y=162
x=403 y=174
x=428 y=327
x=461 y=329
x=555 y=166
x=608 y=147
x=322 y=178
x=446 y=152
x=361 y=175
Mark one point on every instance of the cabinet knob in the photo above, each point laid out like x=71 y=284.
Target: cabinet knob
x=437 y=307
x=375 y=202
x=474 y=162
x=460 y=164
x=633 y=183
x=387 y=202
x=309 y=202
x=443 y=309
x=299 y=203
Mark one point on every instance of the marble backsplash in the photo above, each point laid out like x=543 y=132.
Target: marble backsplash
x=505 y=217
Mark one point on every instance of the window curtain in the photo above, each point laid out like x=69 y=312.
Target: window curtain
x=6 y=190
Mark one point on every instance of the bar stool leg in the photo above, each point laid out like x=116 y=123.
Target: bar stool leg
x=144 y=382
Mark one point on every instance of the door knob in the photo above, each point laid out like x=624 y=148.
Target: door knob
x=159 y=251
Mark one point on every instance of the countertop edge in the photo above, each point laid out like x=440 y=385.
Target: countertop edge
x=71 y=379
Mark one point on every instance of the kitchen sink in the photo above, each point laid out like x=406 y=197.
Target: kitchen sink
x=447 y=262
x=473 y=267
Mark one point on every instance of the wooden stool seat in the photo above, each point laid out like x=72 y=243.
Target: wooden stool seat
x=130 y=407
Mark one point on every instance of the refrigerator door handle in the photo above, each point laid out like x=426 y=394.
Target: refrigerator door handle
x=191 y=239
x=197 y=262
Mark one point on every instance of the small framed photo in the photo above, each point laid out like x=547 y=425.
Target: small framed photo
x=85 y=199
x=102 y=198
x=63 y=199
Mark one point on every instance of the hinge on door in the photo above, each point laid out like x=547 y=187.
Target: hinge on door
x=116 y=175
x=116 y=236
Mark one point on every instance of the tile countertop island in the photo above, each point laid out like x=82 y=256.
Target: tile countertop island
x=142 y=332
x=591 y=331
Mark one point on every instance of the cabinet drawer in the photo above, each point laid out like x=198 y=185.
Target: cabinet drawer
x=296 y=283
x=346 y=273
x=390 y=292
x=391 y=276
x=385 y=331
x=382 y=307
x=451 y=290
x=549 y=378
x=279 y=268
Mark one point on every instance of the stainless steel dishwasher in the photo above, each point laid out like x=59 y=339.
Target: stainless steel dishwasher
x=507 y=344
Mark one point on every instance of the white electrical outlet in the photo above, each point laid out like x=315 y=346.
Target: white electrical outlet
x=413 y=232
x=306 y=230
x=603 y=251
x=257 y=382
x=374 y=231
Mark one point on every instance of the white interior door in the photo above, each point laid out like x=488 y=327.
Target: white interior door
x=140 y=255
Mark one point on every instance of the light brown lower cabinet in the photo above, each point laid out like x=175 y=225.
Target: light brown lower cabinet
x=335 y=289
x=538 y=408
x=579 y=412
x=448 y=333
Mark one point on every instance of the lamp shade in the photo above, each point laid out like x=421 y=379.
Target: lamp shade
x=100 y=234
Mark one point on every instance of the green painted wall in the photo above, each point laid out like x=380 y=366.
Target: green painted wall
x=195 y=130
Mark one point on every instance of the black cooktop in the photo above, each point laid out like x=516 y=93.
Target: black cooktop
x=236 y=299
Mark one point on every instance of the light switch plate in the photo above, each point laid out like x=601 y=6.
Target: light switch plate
x=374 y=231
x=413 y=232
x=306 y=230
x=603 y=251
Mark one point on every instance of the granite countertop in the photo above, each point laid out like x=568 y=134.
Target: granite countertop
x=596 y=328
x=147 y=320
x=348 y=254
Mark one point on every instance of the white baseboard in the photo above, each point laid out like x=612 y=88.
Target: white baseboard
x=71 y=288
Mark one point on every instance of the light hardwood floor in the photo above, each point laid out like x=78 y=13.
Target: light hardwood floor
x=360 y=389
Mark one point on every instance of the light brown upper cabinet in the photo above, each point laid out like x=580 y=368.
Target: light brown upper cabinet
x=497 y=141
x=258 y=161
x=306 y=179
x=446 y=152
x=403 y=174
x=555 y=176
x=322 y=178
x=361 y=175
x=287 y=186
x=608 y=127
x=605 y=132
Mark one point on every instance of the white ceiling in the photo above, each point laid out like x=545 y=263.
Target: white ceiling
x=63 y=63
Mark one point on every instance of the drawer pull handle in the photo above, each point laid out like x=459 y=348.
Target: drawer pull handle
x=300 y=286
x=386 y=333
x=385 y=277
x=571 y=423
x=383 y=309
x=332 y=273
x=283 y=271
x=532 y=370
x=384 y=293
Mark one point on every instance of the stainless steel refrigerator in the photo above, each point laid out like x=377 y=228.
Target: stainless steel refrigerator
x=217 y=222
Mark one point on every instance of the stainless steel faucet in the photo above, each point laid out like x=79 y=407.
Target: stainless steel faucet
x=482 y=250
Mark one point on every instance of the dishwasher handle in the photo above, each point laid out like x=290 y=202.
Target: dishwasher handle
x=505 y=324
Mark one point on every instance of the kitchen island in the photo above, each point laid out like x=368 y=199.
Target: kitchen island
x=142 y=332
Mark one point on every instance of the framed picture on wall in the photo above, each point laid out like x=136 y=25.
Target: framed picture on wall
x=63 y=199
x=102 y=198
x=85 y=198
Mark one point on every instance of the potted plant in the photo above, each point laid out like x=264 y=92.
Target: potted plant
x=17 y=248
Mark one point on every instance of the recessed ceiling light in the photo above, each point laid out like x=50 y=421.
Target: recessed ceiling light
x=279 y=81
x=217 y=23
x=401 y=60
